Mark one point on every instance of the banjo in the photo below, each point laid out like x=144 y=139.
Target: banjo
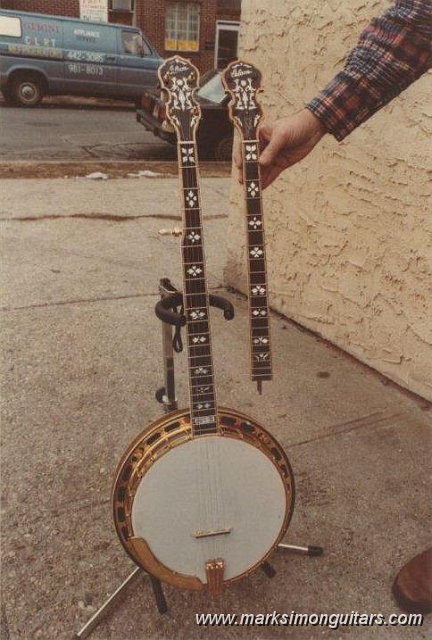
x=203 y=495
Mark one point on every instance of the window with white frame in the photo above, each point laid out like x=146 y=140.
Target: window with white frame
x=122 y=5
x=182 y=26
x=10 y=27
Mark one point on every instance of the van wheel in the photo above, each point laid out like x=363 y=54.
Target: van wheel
x=223 y=149
x=27 y=91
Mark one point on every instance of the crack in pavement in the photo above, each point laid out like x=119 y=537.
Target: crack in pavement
x=62 y=303
x=107 y=217
x=369 y=420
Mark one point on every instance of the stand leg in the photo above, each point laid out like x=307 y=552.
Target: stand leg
x=268 y=570
x=102 y=612
x=105 y=608
x=311 y=550
x=169 y=398
x=159 y=595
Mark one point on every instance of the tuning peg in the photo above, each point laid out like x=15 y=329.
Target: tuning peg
x=170 y=232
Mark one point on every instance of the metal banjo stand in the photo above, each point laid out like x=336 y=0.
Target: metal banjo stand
x=169 y=311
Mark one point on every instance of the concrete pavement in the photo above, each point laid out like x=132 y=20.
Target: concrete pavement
x=81 y=361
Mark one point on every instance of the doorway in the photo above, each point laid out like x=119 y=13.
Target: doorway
x=226 y=43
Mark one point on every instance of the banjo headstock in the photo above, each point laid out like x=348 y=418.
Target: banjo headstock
x=243 y=82
x=179 y=79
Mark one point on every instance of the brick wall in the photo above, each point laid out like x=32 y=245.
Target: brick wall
x=150 y=17
x=52 y=7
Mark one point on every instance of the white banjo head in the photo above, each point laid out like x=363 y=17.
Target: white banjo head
x=212 y=497
x=226 y=496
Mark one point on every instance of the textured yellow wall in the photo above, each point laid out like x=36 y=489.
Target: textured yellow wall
x=349 y=229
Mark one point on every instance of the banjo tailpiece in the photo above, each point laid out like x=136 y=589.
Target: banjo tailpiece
x=215 y=575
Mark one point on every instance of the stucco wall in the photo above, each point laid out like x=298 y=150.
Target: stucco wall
x=349 y=229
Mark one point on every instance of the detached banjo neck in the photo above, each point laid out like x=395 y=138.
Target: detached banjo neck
x=179 y=80
x=243 y=82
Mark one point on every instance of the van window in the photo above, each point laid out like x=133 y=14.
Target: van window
x=134 y=44
x=86 y=36
x=10 y=27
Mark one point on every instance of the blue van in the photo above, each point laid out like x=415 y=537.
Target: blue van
x=51 y=55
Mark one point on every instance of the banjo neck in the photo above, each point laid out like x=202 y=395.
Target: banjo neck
x=243 y=82
x=179 y=80
x=261 y=363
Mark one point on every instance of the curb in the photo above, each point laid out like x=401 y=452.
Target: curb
x=114 y=169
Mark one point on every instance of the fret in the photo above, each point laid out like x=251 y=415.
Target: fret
x=194 y=300
x=251 y=172
x=259 y=327
x=260 y=339
x=256 y=238
x=254 y=215
x=190 y=262
x=199 y=381
x=259 y=323
x=203 y=360
x=196 y=327
x=197 y=351
x=257 y=266
x=189 y=176
x=192 y=219
x=203 y=395
x=194 y=252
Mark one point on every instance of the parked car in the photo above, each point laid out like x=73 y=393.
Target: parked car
x=49 y=55
x=215 y=131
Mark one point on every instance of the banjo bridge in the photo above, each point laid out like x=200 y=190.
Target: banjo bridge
x=208 y=534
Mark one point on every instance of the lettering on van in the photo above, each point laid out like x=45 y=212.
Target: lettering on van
x=34 y=52
x=37 y=41
x=85 y=56
x=87 y=69
x=86 y=35
x=42 y=27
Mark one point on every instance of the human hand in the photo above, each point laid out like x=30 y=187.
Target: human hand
x=283 y=143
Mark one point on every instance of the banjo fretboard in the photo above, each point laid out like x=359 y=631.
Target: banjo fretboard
x=257 y=271
x=195 y=296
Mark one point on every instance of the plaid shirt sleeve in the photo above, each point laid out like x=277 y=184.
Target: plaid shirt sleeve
x=392 y=52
